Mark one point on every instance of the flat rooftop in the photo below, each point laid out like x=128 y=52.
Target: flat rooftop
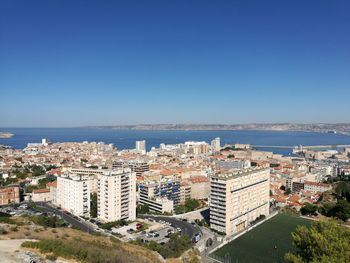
x=239 y=173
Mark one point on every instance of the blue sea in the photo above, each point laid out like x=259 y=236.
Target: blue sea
x=125 y=139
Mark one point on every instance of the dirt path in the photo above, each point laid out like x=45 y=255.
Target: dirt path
x=8 y=248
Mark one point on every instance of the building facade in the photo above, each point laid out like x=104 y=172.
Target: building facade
x=9 y=195
x=116 y=195
x=141 y=146
x=137 y=166
x=73 y=194
x=164 y=188
x=316 y=187
x=238 y=198
x=215 y=145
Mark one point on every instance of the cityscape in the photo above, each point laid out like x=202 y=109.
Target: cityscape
x=174 y=131
x=207 y=193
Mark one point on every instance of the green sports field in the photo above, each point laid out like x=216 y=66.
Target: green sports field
x=265 y=243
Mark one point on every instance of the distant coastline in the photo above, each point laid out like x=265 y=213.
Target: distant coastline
x=340 y=128
x=6 y=135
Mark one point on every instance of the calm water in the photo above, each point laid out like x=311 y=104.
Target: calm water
x=125 y=139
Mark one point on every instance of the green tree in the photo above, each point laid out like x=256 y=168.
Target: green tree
x=288 y=191
x=341 y=210
x=323 y=242
x=142 y=209
x=38 y=170
x=343 y=190
x=93 y=205
x=308 y=209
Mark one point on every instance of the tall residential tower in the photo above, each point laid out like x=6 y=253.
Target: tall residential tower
x=116 y=195
x=238 y=198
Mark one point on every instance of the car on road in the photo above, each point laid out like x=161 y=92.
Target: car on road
x=130 y=230
x=196 y=238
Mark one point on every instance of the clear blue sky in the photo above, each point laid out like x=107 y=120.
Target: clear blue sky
x=72 y=63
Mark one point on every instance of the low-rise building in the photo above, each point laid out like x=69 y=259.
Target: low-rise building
x=316 y=187
x=200 y=187
x=164 y=188
x=9 y=194
x=41 y=195
x=159 y=204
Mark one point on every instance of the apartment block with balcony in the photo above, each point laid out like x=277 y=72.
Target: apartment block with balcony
x=159 y=190
x=237 y=198
x=116 y=195
x=137 y=166
x=73 y=194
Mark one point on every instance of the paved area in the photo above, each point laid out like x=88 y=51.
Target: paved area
x=186 y=227
x=86 y=227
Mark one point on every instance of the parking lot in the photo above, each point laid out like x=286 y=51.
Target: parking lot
x=158 y=229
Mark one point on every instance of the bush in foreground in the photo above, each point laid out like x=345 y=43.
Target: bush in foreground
x=323 y=242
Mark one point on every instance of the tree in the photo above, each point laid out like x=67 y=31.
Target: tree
x=38 y=170
x=324 y=242
x=341 y=210
x=343 y=190
x=288 y=191
x=93 y=205
x=142 y=209
x=190 y=205
x=308 y=209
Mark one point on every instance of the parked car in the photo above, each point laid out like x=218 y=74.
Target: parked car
x=130 y=231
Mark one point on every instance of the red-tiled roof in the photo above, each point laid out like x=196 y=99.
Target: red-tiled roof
x=41 y=191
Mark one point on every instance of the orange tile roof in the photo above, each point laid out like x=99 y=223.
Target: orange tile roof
x=317 y=184
x=199 y=179
x=41 y=191
x=52 y=184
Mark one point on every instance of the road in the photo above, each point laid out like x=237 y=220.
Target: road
x=68 y=218
x=186 y=228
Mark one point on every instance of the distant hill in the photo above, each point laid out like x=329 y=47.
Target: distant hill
x=343 y=128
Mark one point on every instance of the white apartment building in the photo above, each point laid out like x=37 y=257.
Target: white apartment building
x=159 y=204
x=215 y=145
x=89 y=173
x=116 y=195
x=238 y=198
x=73 y=194
x=137 y=166
x=196 y=147
x=141 y=146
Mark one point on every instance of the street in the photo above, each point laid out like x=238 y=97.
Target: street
x=66 y=217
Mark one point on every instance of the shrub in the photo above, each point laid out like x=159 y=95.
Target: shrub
x=14 y=228
x=51 y=257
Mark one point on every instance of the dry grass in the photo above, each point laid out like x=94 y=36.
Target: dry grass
x=27 y=230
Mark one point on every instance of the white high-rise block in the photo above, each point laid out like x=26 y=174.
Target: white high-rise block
x=116 y=195
x=73 y=194
x=238 y=198
x=141 y=146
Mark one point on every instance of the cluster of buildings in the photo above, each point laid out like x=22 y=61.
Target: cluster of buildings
x=238 y=183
